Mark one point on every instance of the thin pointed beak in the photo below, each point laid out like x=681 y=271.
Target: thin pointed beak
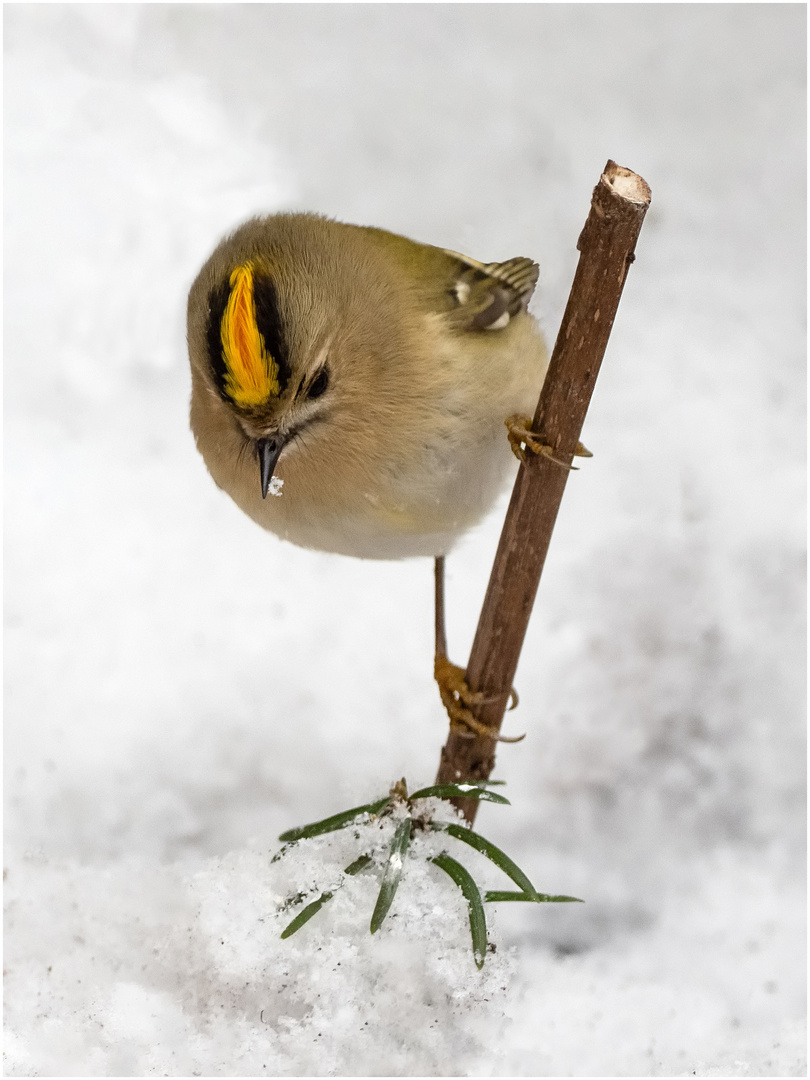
x=269 y=453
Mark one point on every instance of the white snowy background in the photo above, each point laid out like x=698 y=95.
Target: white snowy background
x=181 y=687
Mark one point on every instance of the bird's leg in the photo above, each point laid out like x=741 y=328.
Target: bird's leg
x=521 y=435
x=456 y=695
x=438 y=610
x=453 y=689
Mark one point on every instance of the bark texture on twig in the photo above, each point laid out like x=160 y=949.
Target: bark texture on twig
x=606 y=247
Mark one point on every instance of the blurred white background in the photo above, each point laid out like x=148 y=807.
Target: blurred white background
x=180 y=687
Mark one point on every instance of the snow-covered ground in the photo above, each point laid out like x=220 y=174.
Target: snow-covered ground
x=181 y=687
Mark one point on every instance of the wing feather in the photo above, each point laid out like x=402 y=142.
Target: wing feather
x=488 y=295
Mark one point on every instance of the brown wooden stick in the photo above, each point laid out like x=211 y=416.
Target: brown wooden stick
x=606 y=247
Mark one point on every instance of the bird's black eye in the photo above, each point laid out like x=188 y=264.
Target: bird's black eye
x=319 y=384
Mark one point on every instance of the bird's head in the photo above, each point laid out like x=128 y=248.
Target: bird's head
x=296 y=335
x=272 y=390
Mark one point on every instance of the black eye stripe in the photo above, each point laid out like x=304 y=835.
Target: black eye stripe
x=217 y=302
x=271 y=327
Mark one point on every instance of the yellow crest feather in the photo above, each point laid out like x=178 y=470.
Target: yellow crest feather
x=251 y=372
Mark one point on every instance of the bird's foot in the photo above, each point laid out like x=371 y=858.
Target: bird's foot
x=522 y=438
x=457 y=698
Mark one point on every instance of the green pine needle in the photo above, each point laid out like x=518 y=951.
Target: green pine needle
x=531 y=898
x=393 y=873
x=460 y=791
x=337 y=821
x=306 y=914
x=357 y=865
x=478 y=920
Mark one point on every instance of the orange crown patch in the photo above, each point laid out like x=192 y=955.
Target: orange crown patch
x=251 y=372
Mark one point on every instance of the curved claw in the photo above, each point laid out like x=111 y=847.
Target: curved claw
x=467 y=726
x=521 y=435
x=457 y=697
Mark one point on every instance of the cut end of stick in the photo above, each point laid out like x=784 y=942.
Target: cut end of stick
x=626 y=184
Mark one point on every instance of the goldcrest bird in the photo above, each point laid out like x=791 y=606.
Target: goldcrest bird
x=362 y=381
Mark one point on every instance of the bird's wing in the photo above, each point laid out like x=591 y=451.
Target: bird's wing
x=488 y=295
x=471 y=295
